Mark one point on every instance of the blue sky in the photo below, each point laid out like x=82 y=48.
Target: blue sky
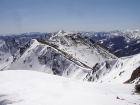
x=18 y=16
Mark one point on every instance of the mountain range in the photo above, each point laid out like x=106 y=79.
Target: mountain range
x=102 y=57
x=121 y=43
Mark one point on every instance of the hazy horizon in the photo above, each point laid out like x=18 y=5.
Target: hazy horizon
x=23 y=16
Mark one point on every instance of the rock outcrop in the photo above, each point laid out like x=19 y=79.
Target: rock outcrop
x=135 y=74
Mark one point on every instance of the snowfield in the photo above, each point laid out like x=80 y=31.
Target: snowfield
x=23 y=87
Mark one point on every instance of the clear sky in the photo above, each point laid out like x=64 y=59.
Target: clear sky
x=17 y=16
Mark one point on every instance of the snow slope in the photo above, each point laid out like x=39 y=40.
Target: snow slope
x=39 y=57
x=80 y=47
x=23 y=87
x=117 y=71
x=123 y=69
x=43 y=58
x=4 y=51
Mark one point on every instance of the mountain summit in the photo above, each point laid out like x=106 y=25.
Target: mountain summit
x=81 y=48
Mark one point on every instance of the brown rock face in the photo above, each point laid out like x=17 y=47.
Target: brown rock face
x=134 y=75
x=137 y=87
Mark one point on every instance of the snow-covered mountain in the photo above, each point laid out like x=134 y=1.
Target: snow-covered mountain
x=66 y=54
x=121 y=43
x=117 y=71
x=79 y=47
x=12 y=43
x=35 y=56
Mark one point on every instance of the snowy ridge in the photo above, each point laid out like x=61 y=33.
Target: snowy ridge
x=81 y=48
x=40 y=57
x=117 y=71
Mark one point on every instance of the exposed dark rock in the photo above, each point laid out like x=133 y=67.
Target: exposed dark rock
x=137 y=87
x=134 y=75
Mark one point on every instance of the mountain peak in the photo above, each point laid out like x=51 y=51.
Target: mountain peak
x=63 y=32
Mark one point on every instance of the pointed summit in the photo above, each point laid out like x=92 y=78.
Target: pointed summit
x=62 y=31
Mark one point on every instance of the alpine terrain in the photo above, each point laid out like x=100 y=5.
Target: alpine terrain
x=87 y=67
x=119 y=42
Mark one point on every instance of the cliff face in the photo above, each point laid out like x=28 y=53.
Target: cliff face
x=135 y=75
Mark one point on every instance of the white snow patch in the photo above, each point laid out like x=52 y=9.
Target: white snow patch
x=23 y=87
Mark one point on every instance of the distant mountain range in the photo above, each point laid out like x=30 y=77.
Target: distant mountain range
x=121 y=43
